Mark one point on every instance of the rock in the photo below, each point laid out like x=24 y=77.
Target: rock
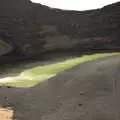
x=5 y=47
x=33 y=29
x=80 y=104
x=82 y=93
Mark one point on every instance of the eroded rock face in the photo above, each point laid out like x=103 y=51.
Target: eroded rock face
x=33 y=29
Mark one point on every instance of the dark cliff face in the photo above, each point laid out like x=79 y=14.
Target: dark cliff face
x=29 y=29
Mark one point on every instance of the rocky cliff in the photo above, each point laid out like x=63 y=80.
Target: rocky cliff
x=28 y=29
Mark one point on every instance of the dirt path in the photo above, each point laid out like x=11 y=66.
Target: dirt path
x=89 y=91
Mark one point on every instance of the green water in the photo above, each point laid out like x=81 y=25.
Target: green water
x=35 y=75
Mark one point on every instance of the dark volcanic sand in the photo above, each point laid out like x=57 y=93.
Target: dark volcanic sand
x=89 y=91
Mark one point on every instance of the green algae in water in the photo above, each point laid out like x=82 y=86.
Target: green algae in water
x=34 y=76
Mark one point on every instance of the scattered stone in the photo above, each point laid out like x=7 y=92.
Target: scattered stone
x=82 y=93
x=5 y=98
x=9 y=86
x=80 y=104
x=4 y=86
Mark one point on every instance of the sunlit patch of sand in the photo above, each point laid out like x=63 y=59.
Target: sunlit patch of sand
x=6 y=114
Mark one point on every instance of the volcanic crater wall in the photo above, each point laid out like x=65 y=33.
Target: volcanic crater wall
x=33 y=29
